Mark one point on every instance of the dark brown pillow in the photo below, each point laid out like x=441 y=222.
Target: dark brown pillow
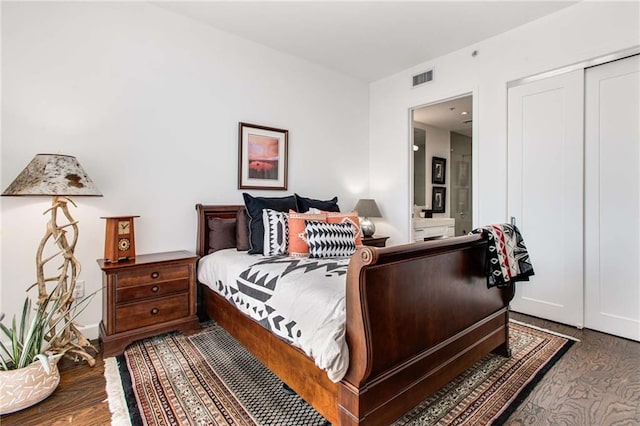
x=222 y=233
x=242 y=230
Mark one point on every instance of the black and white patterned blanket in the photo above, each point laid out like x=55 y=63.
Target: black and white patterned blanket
x=301 y=300
x=507 y=257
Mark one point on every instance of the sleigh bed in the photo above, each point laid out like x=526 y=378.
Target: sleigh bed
x=417 y=315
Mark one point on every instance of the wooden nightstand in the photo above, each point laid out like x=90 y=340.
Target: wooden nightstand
x=149 y=295
x=375 y=241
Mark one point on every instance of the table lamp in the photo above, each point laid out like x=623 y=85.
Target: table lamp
x=367 y=208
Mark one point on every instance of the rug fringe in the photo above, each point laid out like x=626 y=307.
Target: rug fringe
x=115 y=394
x=535 y=327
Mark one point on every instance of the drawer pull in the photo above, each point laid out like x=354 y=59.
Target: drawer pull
x=155 y=275
x=155 y=288
x=155 y=311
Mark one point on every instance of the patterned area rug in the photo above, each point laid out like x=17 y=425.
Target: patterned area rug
x=210 y=379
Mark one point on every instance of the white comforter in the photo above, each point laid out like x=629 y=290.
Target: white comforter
x=301 y=300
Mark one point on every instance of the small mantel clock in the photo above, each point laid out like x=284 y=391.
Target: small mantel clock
x=119 y=240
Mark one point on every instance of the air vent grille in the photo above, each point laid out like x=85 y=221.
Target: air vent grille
x=422 y=78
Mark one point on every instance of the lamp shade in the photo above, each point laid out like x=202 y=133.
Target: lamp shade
x=53 y=174
x=367 y=207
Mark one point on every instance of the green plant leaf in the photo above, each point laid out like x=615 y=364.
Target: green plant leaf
x=44 y=360
x=29 y=338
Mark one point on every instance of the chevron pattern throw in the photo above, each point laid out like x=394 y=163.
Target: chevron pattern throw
x=330 y=239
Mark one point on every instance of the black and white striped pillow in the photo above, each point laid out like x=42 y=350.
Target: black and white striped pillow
x=330 y=239
x=276 y=232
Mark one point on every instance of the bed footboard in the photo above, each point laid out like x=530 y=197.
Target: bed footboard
x=417 y=316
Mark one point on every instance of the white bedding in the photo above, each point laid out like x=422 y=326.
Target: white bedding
x=301 y=300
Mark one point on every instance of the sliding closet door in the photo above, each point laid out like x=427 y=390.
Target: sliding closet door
x=545 y=184
x=612 y=198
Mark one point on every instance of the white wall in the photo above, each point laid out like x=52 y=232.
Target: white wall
x=437 y=144
x=577 y=33
x=149 y=102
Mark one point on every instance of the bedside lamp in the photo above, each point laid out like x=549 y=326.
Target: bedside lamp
x=59 y=176
x=366 y=208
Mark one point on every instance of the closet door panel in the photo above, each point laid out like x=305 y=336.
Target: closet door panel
x=612 y=198
x=545 y=168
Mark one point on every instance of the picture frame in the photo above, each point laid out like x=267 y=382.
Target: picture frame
x=438 y=170
x=438 y=199
x=262 y=157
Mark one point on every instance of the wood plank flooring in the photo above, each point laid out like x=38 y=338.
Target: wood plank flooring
x=597 y=382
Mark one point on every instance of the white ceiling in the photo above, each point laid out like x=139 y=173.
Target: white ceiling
x=368 y=40
x=455 y=115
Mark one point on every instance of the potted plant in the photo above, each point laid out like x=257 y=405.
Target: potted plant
x=28 y=366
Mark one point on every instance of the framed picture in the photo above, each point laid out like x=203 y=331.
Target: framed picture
x=438 y=197
x=438 y=169
x=262 y=157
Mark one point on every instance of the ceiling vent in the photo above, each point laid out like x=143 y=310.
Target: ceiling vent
x=423 y=78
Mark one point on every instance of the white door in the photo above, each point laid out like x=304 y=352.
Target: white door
x=545 y=193
x=612 y=198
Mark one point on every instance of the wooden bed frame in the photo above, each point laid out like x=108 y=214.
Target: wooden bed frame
x=417 y=316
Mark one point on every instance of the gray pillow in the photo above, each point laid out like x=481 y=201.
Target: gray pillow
x=222 y=233
x=242 y=230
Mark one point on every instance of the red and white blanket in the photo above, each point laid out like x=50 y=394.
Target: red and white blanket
x=507 y=256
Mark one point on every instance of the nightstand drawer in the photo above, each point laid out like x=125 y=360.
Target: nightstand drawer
x=146 y=296
x=145 y=291
x=136 y=315
x=149 y=275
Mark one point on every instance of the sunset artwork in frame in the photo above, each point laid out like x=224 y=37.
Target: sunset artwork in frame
x=262 y=157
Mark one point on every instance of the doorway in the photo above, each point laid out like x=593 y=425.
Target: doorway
x=442 y=165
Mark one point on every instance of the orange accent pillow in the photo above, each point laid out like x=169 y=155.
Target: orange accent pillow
x=298 y=245
x=347 y=217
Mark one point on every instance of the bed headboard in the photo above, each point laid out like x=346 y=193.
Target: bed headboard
x=204 y=214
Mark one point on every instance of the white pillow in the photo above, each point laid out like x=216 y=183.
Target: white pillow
x=276 y=232
x=330 y=239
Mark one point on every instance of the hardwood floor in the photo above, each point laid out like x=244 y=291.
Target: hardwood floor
x=597 y=382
